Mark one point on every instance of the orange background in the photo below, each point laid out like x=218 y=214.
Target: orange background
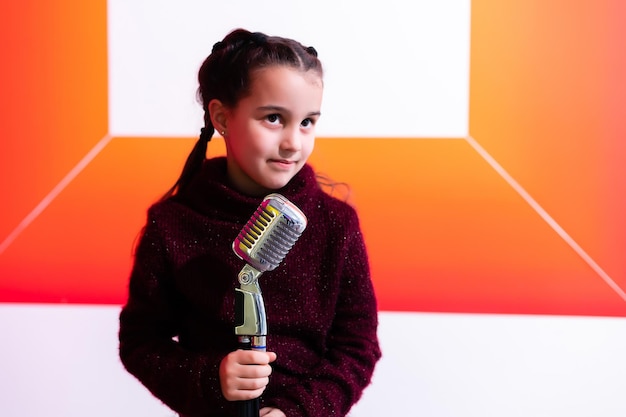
x=445 y=232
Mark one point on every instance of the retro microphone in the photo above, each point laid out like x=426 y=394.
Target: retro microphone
x=262 y=243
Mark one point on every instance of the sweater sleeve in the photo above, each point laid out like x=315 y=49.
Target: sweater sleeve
x=185 y=381
x=337 y=383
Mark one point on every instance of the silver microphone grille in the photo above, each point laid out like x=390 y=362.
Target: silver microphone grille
x=270 y=233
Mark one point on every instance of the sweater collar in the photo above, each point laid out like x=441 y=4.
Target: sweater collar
x=212 y=194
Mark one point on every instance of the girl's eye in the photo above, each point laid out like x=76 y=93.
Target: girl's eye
x=307 y=123
x=272 y=118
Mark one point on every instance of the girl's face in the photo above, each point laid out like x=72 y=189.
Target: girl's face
x=271 y=133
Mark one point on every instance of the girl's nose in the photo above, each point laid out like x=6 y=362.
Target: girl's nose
x=291 y=140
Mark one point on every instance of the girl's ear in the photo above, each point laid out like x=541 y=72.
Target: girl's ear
x=219 y=115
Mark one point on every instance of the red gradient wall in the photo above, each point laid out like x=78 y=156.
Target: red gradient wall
x=446 y=232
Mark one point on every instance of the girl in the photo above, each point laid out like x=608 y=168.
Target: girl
x=263 y=95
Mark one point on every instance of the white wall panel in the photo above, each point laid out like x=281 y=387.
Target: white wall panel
x=61 y=361
x=393 y=68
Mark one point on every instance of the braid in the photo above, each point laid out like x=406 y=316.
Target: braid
x=312 y=51
x=194 y=162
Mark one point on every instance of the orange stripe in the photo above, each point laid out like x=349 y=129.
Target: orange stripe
x=444 y=230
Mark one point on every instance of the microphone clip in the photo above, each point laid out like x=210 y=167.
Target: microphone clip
x=250 y=318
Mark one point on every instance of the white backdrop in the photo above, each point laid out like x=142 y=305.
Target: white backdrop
x=61 y=361
x=390 y=72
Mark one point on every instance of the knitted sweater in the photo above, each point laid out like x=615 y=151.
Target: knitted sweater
x=178 y=322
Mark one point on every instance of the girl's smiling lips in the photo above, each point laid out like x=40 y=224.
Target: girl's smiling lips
x=284 y=162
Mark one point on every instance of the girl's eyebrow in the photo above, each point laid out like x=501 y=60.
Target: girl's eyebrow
x=279 y=109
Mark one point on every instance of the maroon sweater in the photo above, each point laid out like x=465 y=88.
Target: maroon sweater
x=178 y=322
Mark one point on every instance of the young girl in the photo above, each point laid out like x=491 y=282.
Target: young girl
x=263 y=95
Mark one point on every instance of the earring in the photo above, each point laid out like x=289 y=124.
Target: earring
x=223 y=133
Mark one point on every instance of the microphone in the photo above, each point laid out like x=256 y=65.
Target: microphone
x=262 y=243
x=267 y=237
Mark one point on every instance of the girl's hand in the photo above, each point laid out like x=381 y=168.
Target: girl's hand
x=244 y=375
x=271 y=412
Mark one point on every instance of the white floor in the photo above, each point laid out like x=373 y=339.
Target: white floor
x=61 y=360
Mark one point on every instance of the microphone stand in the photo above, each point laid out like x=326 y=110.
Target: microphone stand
x=250 y=325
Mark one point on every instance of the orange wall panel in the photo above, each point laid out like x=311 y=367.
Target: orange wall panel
x=548 y=94
x=54 y=96
x=446 y=232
